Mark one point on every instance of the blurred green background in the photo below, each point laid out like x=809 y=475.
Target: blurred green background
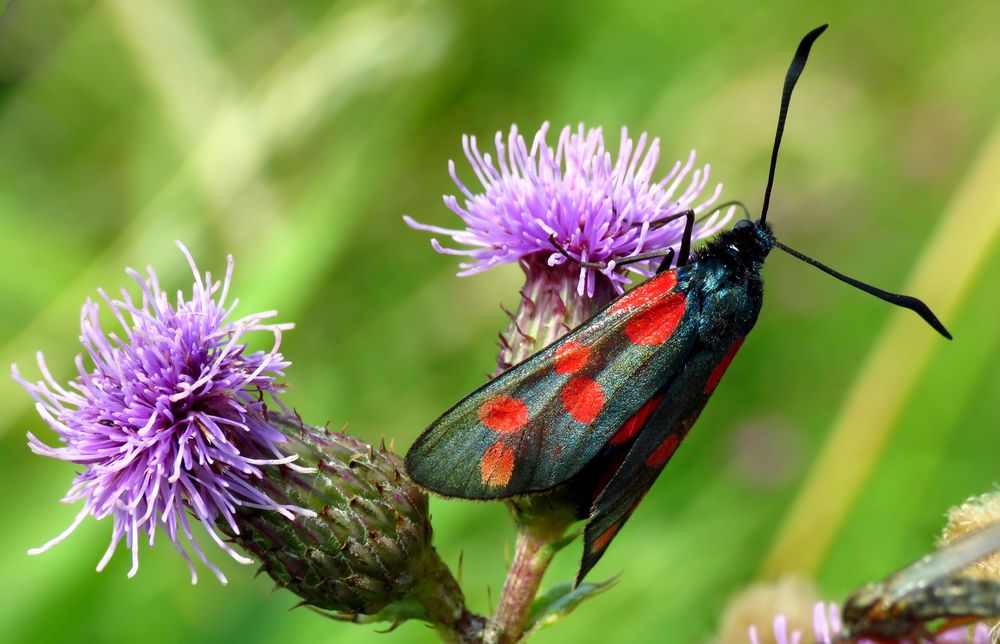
x=295 y=134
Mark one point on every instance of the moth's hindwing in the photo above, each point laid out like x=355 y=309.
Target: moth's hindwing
x=931 y=588
x=539 y=423
x=673 y=412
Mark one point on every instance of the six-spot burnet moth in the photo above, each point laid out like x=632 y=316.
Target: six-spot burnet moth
x=601 y=410
x=900 y=607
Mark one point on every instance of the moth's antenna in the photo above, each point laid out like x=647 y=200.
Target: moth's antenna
x=905 y=301
x=729 y=204
x=794 y=71
x=792 y=77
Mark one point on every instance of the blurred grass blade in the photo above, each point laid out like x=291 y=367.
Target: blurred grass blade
x=192 y=84
x=401 y=36
x=961 y=245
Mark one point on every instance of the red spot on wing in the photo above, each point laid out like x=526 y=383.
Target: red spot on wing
x=664 y=451
x=497 y=464
x=583 y=398
x=656 y=324
x=645 y=293
x=571 y=357
x=720 y=369
x=504 y=414
x=632 y=426
x=601 y=542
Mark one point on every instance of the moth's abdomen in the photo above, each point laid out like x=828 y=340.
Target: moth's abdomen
x=960 y=597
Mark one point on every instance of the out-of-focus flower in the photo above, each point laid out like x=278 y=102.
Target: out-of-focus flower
x=975 y=513
x=167 y=417
x=827 y=628
x=598 y=207
x=792 y=597
x=781 y=633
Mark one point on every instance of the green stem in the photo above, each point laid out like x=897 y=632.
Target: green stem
x=540 y=535
x=442 y=597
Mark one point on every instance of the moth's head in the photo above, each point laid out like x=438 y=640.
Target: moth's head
x=748 y=242
x=757 y=237
x=864 y=611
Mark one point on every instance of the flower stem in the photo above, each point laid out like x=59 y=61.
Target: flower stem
x=442 y=597
x=531 y=559
x=540 y=536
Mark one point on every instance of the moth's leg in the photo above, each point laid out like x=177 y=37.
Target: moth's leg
x=685 y=252
x=600 y=266
x=667 y=253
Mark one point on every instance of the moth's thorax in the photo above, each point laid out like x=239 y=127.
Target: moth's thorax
x=726 y=276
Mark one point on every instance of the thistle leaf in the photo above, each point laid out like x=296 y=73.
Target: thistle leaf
x=394 y=614
x=559 y=601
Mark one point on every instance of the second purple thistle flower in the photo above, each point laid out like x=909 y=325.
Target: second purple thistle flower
x=602 y=208
x=167 y=420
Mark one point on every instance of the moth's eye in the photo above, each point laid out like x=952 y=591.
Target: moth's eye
x=742 y=223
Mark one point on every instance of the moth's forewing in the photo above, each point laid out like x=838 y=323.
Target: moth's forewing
x=538 y=424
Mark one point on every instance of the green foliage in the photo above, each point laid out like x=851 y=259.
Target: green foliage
x=294 y=135
x=555 y=603
x=390 y=617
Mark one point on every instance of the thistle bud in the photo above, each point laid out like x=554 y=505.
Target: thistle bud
x=369 y=543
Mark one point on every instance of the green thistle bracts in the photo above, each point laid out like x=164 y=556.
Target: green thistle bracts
x=370 y=541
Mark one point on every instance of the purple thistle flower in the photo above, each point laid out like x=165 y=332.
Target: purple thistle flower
x=827 y=627
x=600 y=208
x=169 y=419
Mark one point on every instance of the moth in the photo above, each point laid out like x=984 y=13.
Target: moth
x=602 y=410
x=900 y=607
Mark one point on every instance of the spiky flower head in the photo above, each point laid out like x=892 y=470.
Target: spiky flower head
x=368 y=543
x=167 y=416
x=792 y=597
x=601 y=208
